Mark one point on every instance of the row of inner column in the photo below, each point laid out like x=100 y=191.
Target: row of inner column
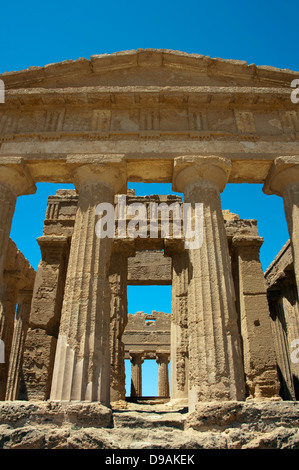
x=137 y=360
x=215 y=363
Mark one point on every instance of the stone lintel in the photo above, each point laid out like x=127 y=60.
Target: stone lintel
x=247 y=241
x=149 y=267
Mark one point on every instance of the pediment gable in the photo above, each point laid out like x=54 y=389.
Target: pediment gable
x=147 y=68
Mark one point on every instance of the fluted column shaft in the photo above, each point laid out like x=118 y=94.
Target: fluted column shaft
x=163 y=379
x=215 y=359
x=281 y=346
x=20 y=330
x=291 y=208
x=291 y=311
x=136 y=374
x=82 y=362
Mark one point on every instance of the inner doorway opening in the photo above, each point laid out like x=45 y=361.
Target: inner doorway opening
x=146 y=336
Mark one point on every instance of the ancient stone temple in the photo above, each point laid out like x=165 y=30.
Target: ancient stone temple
x=231 y=336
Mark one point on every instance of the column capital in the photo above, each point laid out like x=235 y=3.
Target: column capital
x=25 y=296
x=136 y=355
x=15 y=174
x=190 y=169
x=162 y=355
x=283 y=173
x=105 y=168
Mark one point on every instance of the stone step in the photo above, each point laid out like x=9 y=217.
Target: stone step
x=221 y=425
x=131 y=419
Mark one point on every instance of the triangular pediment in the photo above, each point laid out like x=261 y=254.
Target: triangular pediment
x=149 y=67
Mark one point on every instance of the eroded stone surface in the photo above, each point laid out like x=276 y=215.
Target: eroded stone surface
x=234 y=425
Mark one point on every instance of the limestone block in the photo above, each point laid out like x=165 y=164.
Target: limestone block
x=149 y=267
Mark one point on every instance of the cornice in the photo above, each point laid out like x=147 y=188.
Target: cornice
x=148 y=96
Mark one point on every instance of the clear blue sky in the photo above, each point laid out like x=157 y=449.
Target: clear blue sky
x=262 y=32
x=37 y=33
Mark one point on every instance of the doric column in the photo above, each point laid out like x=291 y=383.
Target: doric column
x=283 y=180
x=118 y=273
x=162 y=359
x=41 y=339
x=258 y=349
x=215 y=358
x=291 y=312
x=281 y=346
x=82 y=362
x=179 y=322
x=136 y=359
x=17 y=348
x=12 y=282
